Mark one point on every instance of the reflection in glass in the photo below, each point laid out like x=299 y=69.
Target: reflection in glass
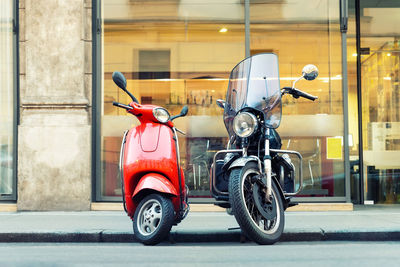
x=173 y=53
x=181 y=52
x=380 y=78
x=299 y=40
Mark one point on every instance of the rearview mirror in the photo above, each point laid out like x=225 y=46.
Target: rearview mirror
x=221 y=103
x=310 y=72
x=184 y=111
x=119 y=80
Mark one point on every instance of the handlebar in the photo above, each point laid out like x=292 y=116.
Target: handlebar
x=120 y=105
x=296 y=93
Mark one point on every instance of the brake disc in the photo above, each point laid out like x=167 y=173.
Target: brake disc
x=267 y=210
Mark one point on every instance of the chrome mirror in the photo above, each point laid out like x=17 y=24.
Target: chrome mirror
x=310 y=72
x=221 y=103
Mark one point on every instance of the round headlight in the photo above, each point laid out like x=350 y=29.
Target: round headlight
x=245 y=124
x=161 y=114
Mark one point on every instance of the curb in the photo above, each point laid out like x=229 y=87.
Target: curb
x=194 y=237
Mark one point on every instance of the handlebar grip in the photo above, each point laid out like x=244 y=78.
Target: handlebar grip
x=298 y=93
x=120 y=105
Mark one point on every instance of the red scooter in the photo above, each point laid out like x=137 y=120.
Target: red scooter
x=153 y=183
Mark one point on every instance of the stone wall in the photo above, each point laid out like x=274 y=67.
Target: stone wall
x=54 y=134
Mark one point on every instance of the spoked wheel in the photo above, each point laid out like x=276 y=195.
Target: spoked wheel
x=153 y=219
x=262 y=221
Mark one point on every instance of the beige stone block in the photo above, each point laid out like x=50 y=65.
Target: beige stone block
x=54 y=171
x=22 y=25
x=21 y=4
x=322 y=207
x=22 y=58
x=54 y=118
x=87 y=3
x=22 y=87
x=109 y=206
x=88 y=88
x=54 y=48
x=87 y=31
x=8 y=207
x=88 y=57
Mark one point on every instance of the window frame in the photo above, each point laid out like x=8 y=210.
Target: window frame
x=15 y=28
x=96 y=117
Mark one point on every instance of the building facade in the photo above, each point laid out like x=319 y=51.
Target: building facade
x=60 y=134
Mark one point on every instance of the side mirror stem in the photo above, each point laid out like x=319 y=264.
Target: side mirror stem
x=131 y=96
x=183 y=113
x=298 y=79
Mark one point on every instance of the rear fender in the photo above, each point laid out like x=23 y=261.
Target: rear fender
x=156 y=182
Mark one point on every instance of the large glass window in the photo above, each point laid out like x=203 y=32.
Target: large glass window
x=6 y=100
x=315 y=129
x=380 y=77
x=181 y=52
x=173 y=53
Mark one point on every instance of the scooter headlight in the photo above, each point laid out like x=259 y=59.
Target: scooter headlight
x=161 y=114
x=245 y=124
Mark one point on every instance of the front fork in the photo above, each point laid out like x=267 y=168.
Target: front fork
x=267 y=167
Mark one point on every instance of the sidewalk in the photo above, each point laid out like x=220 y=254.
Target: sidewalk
x=375 y=223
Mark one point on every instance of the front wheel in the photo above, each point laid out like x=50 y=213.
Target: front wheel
x=153 y=219
x=261 y=221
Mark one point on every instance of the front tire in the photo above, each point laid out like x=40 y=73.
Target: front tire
x=153 y=219
x=254 y=224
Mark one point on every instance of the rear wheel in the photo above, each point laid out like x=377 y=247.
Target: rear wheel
x=153 y=219
x=261 y=221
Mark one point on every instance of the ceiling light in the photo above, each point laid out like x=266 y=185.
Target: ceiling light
x=223 y=29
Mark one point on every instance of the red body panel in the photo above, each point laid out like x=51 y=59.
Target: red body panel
x=150 y=159
x=156 y=182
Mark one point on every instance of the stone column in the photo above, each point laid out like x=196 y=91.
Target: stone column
x=54 y=135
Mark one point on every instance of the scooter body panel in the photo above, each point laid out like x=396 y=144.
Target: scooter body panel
x=150 y=149
x=157 y=182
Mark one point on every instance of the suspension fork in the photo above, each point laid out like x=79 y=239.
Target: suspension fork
x=267 y=166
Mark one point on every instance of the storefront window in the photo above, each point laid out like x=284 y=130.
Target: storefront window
x=315 y=129
x=380 y=77
x=181 y=52
x=173 y=53
x=6 y=100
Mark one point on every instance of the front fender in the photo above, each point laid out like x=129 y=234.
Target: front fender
x=155 y=182
x=240 y=162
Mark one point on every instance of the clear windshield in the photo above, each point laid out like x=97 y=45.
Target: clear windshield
x=254 y=83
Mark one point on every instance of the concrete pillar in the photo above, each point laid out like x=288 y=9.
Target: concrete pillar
x=54 y=135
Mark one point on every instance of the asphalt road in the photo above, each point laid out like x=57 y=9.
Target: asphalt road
x=205 y=254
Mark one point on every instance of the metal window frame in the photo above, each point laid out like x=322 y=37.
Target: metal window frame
x=15 y=20
x=359 y=104
x=96 y=107
x=96 y=98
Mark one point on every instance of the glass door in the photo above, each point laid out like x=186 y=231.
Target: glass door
x=380 y=76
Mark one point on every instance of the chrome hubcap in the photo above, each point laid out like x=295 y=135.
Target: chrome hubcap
x=149 y=217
